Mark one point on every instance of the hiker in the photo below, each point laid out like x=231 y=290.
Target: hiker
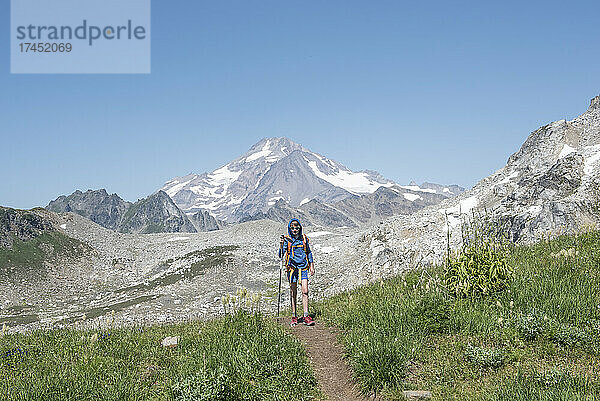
x=298 y=261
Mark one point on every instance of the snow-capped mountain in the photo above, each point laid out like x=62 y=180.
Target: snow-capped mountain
x=273 y=169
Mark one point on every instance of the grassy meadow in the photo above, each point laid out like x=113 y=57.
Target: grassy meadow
x=243 y=356
x=528 y=328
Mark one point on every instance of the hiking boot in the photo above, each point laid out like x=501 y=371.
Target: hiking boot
x=294 y=321
x=308 y=321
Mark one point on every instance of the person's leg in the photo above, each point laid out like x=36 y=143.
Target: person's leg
x=293 y=294
x=305 y=296
x=306 y=319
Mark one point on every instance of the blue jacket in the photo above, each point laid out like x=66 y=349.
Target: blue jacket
x=298 y=258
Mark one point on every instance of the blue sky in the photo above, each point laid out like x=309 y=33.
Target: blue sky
x=442 y=92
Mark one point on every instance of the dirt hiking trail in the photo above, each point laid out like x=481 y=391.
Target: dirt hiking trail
x=325 y=354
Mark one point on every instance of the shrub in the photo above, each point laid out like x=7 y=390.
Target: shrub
x=529 y=326
x=481 y=267
x=485 y=357
x=207 y=385
x=478 y=270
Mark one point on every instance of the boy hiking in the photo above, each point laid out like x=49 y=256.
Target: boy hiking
x=298 y=260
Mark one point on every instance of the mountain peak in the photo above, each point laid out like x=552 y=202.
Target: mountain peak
x=595 y=103
x=160 y=194
x=274 y=168
x=272 y=149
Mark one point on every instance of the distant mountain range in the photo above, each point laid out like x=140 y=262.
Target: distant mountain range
x=156 y=213
x=276 y=179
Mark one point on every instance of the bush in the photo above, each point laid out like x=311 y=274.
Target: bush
x=481 y=267
x=485 y=357
x=207 y=385
x=478 y=270
x=530 y=326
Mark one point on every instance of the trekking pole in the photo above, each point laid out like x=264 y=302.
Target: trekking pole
x=280 y=269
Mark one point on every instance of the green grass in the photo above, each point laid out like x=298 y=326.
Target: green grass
x=536 y=339
x=239 y=357
x=47 y=246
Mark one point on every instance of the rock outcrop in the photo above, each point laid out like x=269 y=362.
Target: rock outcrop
x=204 y=221
x=551 y=185
x=23 y=225
x=155 y=214
x=98 y=206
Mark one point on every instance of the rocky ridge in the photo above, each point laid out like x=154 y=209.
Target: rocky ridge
x=98 y=206
x=21 y=225
x=203 y=221
x=155 y=213
x=549 y=186
x=358 y=211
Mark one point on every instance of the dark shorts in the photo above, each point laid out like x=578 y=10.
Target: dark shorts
x=292 y=275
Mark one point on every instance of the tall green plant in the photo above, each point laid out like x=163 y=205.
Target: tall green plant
x=480 y=267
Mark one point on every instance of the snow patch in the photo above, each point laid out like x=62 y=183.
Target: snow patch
x=411 y=197
x=223 y=176
x=319 y=234
x=274 y=200
x=264 y=152
x=178 y=239
x=566 y=150
x=63 y=226
x=591 y=160
x=463 y=207
x=355 y=183
x=469 y=203
x=534 y=210
x=176 y=188
x=327 y=249
x=236 y=201
x=258 y=155
x=418 y=188
x=305 y=200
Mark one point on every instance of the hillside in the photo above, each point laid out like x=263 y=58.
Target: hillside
x=548 y=187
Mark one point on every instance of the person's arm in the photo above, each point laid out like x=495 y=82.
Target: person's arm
x=311 y=264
